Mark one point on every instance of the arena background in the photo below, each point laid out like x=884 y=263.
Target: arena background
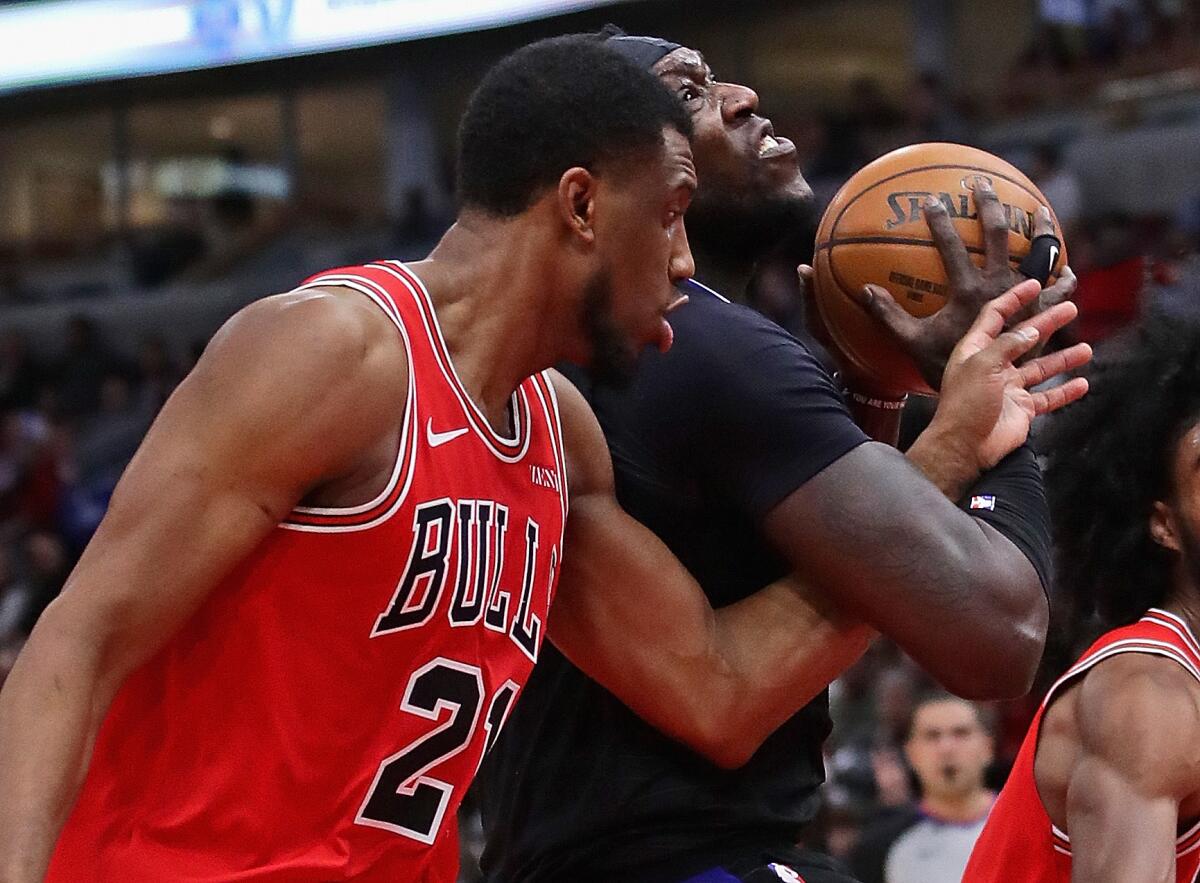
x=138 y=212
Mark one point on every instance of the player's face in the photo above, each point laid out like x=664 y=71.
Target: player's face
x=740 y=159
x=1181 y=514
x=643 y=253
x=948 y=748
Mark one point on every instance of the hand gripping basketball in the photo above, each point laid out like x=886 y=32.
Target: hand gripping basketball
x=914 y=244
x=930 y=340
x=987 y=405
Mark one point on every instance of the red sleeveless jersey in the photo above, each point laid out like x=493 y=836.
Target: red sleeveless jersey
x=322 y=713
x=1019 y=843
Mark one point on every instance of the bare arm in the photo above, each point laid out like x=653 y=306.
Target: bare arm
x=887 y=544
x=225 y=461
x=1139 y=726
x=631 y=616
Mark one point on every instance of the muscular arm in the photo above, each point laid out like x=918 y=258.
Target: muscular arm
x=281 y=400
x=630 y=615
x=1139 y=726
x=890 y=548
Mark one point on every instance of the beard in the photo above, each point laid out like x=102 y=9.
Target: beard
x=613 y=360
x=734 y=227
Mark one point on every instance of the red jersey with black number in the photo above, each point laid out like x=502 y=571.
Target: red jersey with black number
x=1019 y=843
x=322 y=713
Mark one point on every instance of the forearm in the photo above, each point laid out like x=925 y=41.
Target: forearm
x=50 y=709
x=779 y=650
x=631 y=617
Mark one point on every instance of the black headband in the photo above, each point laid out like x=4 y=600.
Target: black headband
x=642 y=51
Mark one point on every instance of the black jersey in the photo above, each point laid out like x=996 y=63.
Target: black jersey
x=707 y=440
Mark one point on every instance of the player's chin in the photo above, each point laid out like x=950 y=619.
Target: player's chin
x=789 y=184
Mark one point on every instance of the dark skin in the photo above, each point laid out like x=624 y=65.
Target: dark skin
x=955 y=594
x=1118 y=758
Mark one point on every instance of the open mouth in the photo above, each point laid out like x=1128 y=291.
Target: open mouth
x=769 y=145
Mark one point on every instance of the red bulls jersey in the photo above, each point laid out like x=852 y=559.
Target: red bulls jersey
x=1019 y=843
x=322 y=713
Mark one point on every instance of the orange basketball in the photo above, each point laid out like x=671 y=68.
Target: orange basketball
x=875 y=232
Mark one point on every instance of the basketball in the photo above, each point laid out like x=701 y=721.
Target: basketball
x=874 y=231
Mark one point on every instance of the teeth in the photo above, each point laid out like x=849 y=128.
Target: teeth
x=768 y=143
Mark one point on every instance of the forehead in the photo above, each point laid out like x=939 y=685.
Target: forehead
x=948 y=713
x=682 y=62
x=1187 y=453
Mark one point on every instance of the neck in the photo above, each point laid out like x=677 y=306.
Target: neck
x=493 y=294
x=959 y=807
x=727 y=276
x=1185 y=603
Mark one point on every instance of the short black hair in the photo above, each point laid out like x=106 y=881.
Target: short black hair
x=1109 y=460
x=552 y=105
x=983 y=715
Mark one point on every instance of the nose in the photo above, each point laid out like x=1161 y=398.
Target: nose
x=737 y=101
x=682 y=265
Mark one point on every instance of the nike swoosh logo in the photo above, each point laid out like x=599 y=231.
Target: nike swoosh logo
x=1053 y=258
x=436 y=439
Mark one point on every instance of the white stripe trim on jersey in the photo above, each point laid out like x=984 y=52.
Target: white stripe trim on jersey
x=704 y=287
x=442 y=352
x=405 y=467
x=1176 y=624
x=1128 y=645
x=1190 y=832
x=562 y=447
x=555 y=450
x=356 y=283
x=475 y=417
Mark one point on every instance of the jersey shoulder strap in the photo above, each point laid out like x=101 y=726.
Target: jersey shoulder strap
x=1158 y=633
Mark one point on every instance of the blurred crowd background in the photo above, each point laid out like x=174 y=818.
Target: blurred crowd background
x=136 y=214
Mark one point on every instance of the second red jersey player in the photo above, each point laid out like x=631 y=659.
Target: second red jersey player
x=1019 y=843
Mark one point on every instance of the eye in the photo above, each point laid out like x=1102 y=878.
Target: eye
x=689 y=92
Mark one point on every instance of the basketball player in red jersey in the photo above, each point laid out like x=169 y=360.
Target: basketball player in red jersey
x=326 y=575
x=1106 y=787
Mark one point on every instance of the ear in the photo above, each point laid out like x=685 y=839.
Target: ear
x=1163 y=528
x=577 y=202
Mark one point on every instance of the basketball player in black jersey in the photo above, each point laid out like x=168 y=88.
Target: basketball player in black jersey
x=738 y=450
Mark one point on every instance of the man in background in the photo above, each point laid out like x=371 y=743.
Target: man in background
x=949 y=748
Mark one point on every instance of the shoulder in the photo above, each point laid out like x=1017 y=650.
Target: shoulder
x=330 y=324
x=324 y=359
x=727 y=353
x=1140 y=713
x=709 y=322
x=320 y=338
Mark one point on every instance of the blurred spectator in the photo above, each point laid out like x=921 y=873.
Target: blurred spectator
x=108 y=440
x=20 y=378
x=47 y=565
x=16 y=600
x=1112 y=275
x=22 y=435
x=157 y=376
x=949 y=748
x=82 y=368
